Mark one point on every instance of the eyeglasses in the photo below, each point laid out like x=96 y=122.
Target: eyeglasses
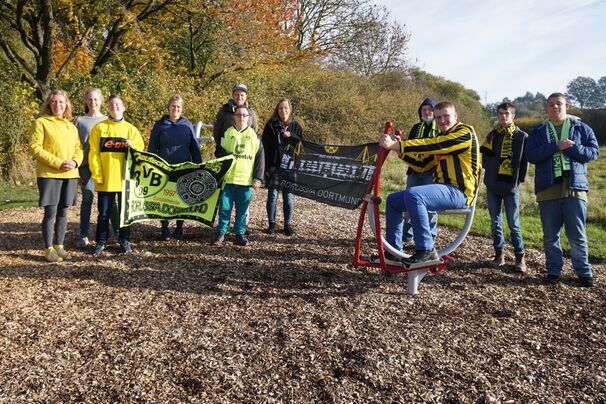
x=242 y=115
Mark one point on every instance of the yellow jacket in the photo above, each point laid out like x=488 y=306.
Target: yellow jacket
x=108 y=151
x=457 y=157
x=52 y=141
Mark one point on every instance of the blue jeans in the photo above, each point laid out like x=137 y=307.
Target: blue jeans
x=88 y=195
x=512 y=212
x=571 y=213
x=417 y=201
x=240 y=196
x=415 y=179
x=105 y=202
x=288 y=201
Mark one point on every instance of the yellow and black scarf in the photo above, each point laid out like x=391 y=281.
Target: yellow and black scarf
x=505 y=166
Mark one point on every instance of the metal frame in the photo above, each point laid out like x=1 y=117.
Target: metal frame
x=415 y=273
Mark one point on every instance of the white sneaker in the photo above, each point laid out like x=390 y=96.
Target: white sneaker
x=82 y=242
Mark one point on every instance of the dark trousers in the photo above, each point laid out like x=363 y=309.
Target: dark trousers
x=105 y=201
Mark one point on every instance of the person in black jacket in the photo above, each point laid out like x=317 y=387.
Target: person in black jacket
x=173 y=139
x=280 y=126
x=225 y=117
x=421 y=167
x=505 y=165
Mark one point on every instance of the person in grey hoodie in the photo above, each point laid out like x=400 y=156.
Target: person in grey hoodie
x=173 y=139
x=505 y=164
x=85 y=123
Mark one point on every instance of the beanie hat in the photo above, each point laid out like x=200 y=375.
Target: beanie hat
x=240 y=87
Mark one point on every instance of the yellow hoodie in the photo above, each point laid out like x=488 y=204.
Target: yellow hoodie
x=108 y=151
x=52 y=141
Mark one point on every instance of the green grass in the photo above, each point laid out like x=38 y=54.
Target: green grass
x=393 y=178
x=12 y=196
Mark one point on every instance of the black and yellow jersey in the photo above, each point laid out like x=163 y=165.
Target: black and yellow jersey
x=456 y=154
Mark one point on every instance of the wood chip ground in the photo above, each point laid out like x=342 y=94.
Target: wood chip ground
x=287 y=319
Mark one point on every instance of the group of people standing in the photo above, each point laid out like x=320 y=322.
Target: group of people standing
x=443 y=155
x=92 y=151
x=560 y=147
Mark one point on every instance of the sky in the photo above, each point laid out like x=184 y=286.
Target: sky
x=505 y=48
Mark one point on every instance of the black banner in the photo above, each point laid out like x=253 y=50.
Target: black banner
x=335 y=175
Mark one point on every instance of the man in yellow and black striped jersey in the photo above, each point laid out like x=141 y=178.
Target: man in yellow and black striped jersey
x=456 y=178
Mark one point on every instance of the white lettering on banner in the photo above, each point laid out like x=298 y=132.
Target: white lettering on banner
x=293 y=186
x=336 y=170
x=334 y=196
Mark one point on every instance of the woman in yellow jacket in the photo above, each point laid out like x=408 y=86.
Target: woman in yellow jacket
x=55 y=145
x=109 y=141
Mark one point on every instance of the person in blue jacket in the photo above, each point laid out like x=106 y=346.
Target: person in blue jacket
x=173 y=139
x=560 y=148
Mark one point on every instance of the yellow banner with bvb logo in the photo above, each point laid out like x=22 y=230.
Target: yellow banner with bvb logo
x=155 y=189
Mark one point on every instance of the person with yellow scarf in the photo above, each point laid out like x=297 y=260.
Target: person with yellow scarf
x=505 y=165
x=421 y=166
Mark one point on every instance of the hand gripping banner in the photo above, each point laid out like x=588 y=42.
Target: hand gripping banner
x=154 y=189
x=335 y=175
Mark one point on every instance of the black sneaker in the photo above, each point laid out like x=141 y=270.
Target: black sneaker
x=218 y=239
x=388 y=257
x=125 y=246
x=421 y=256
x=288 y=230
x=271 y=229
x=241 y=239
x=552 y=279
x=99 y=248
x=165 y=234
x=587 y=281
x=178 y=234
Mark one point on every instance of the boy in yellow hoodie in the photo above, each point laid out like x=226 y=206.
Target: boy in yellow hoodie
x=109 y=141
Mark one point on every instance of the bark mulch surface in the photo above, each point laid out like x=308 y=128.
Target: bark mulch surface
x=287 y=319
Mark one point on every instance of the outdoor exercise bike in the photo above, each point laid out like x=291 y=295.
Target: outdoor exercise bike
x=415 y=272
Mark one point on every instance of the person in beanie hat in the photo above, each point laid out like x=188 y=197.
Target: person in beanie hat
x=225 y=117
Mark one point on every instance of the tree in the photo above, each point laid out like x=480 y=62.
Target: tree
x=325 y=25
x=34 y=31
x=584 y=92
x=27 y=40
x=601 y=97
x=375 y=47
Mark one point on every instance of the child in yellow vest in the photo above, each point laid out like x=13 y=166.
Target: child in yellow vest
x=246 y=174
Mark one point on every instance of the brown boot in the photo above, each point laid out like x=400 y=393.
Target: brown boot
x=520 y=263
x=499 y=259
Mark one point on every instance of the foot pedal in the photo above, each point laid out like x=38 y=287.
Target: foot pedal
x=376 y=259
x=426 y=264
